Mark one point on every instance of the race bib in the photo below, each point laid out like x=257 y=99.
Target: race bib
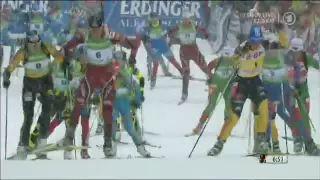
x=274 y=74
x=75 y=83
x=37 y=66
x=187 y=38
x=61 y=84
x=122 y=91
x=38 y=27
x=100 y=56
x=224 y=73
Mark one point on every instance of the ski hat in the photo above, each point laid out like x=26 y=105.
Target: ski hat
x=32 y=36
x=95 y=21
x=227 y=51
x=296 y=44
x=153 y=16
x=82 y=23
x=186 y=13
x=255 y=34
x=271 y=37
x=35 y=8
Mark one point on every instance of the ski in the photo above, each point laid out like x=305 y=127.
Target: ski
x=287 y=138
x=252 y=155
x=146 y=143
x=151 y=133
x=127 y=143
x=50 y=148
x=134 y=157
x=191 y=78
x=147 y=132
x=190 y=134
x=182 y=101
x=149 y=157
x=56 y=147
x=119 y=143
x=41 y=158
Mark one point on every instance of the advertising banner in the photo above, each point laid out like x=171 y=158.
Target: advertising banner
x=226 y=22
x=125 y=16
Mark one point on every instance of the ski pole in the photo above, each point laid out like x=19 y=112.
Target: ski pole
x=209 y=117
x=285 y=125
x=6 y=128
x=142 y=121
x=249 y=127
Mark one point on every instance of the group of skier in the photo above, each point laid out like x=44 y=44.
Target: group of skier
x=271 y=69
x=83 y=72
x=55 y=25
x=266 y=68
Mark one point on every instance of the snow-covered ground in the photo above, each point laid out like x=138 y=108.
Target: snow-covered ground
x=162 y=115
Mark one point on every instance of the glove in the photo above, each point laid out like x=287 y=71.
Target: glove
x=66 y=32
x=138 y=100
x=144 y=38
x=137 y=105
x=50 y=96
x=6 y=79
x=132 y=59
x=74 y=83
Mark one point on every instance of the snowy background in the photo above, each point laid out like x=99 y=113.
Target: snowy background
x=161 y=115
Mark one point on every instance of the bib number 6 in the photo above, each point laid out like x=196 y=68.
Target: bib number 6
x=64 y=82
x=98 y=55
x=38 y=65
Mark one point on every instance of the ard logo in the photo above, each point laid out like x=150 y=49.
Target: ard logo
x=262 y=158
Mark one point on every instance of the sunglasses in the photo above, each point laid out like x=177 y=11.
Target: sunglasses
x=33 y=39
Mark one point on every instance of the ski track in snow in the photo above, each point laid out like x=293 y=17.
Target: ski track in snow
x=161 y=115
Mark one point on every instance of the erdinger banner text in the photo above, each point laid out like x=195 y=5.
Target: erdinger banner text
x=125 y=16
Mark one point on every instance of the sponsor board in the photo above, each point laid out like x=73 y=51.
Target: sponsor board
x=125 y=16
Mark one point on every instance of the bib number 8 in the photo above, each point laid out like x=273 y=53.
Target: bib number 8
x=98 y=55
x=64 y=82
x=38 y=65
x=226 y=73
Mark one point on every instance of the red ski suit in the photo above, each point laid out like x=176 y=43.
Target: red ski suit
x=97 y=78
x=189 y=52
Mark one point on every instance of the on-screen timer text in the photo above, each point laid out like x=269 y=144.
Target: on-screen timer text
x=260 y=18
x=288 y=18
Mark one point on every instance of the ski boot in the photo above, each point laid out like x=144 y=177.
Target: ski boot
x=184 y=97
x=67 y=141
x=195 y=131
x=276 y=147
x=118 y=136
x=168 y=74
x=22 y=152
x=261 y=143
x=84 y=154
x=34 y=138
x=153 y=82
x=149 y=68
x=109 y=148
x=99 y=129
x=297 y=144
x=216 y=149
x=42 y=143
x=269 y=143
x=137 y=128
x=143 y=152
x=311 y=147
